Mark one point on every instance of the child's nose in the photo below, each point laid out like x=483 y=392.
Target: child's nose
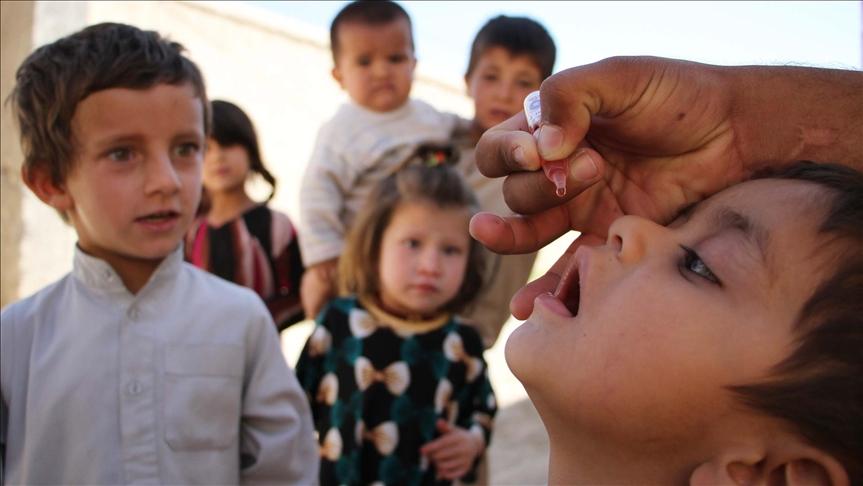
x=430 y=262
x=631 y=237
x=161 y=175
x=380 y=68
x=506 y=91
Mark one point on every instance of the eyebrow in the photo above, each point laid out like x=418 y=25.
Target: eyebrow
x=724 y=218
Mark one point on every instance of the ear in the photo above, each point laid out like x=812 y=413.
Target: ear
x=337 y=75
x=39 y=180
x=803 y=466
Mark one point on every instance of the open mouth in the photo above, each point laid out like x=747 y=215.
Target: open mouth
x=158 y=217
x=568 y=290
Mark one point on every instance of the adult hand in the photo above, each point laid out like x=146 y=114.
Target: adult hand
x=649 y=136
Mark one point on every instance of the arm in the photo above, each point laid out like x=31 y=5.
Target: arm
x=285 y=305
x=649 y=136
x=784 y=114
x=311 y=364
x=328 y=177
x=318 y=286
x=277 y=437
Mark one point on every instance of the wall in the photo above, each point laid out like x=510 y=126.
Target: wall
x=16 y=20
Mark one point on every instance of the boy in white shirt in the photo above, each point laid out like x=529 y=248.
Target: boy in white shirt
x=136 y=367
x=367 y=139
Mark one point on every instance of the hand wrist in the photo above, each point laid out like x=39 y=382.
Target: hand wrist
x=783 y=114
x=478 y=437
x=325 y=270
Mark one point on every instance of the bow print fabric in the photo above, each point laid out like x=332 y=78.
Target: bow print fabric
x=378 y=386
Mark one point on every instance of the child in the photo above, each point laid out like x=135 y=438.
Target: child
x=368 y=137
x=135 y=367
x=237 y=238
x=509 y=58
x=398 y=385
x=722 y=349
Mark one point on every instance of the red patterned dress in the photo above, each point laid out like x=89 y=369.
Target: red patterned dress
x=258 y=250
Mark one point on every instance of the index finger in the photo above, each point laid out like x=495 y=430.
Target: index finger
x=506 y=148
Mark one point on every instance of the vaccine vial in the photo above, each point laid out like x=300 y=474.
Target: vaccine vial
x=555 y=170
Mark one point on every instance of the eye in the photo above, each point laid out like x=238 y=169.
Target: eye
x=189 y=149
x=524 y=83
x=364 y=61
x=411 y=243
x=398 y=58
x=489 y=77
x=452 y=250
x=120 y=154
x=693 y=263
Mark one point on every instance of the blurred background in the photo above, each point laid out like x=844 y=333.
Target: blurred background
x=273 y=59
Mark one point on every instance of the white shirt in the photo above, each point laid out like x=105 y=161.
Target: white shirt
x=353 y=151
x=182 y=383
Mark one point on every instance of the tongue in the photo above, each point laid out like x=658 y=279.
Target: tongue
x=555 y=304
x=571 y=300
x=567 y=292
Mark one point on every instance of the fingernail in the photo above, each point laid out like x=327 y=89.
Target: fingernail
x=518 y=155
x=548 y=140
x=583 y=168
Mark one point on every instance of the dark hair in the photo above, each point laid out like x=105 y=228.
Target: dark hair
x=440 y=185
x=51 y=82
x=519 y=36
x=369 y=12
x=231 y=126
x=818 y=388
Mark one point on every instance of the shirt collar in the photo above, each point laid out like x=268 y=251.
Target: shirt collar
x=98 y=274
x=410 y=326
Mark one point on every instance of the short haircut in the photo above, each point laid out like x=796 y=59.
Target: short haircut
x=51 y=82
x=369 y=12
x=818 y=388
x=519 y=36
x=439 y=185
x=232 y=126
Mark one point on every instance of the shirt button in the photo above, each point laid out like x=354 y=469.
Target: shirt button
x=133 y=312
x=134 y=388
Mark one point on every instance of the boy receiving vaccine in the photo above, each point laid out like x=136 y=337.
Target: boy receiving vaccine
x=724 y=348
x=398 y=386
x=509 y=58
x=368 y=137
x=135 y=367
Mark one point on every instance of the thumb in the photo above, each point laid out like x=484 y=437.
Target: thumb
x=443 y=426
x=566 y=113
x=572 y=98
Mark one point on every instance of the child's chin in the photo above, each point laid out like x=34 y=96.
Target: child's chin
x=523 y=348
x=156 y=253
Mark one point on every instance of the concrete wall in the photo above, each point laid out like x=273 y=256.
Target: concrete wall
x=16 y=21
x=276 y=69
